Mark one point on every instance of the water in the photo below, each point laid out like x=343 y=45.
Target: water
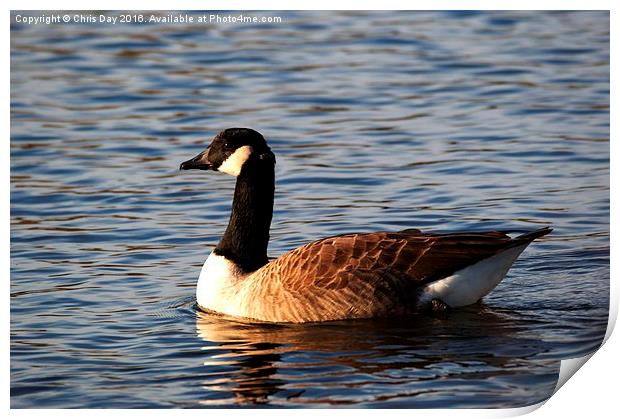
x=443 y=121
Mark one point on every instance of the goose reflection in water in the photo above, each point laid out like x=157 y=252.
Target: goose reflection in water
x=427 y=356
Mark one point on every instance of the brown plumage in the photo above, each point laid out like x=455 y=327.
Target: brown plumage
x=366 y=275
x=343 y=277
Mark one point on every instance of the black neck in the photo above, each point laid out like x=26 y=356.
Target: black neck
x=247 y=235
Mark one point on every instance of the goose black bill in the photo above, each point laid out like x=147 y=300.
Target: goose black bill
x=199 y=162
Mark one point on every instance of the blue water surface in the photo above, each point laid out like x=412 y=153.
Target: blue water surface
x=443 y=121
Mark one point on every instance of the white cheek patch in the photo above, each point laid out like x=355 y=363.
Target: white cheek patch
x=233 y=164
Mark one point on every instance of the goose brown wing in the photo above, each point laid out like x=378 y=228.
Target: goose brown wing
x=417 y=258
x=373 y=274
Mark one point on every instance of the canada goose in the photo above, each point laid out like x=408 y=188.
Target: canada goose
x=351 y=276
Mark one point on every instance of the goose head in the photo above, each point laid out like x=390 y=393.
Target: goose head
x=230 y=151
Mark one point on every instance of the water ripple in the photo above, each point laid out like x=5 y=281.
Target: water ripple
x=380 y=120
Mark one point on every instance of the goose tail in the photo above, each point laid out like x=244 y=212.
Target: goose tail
x=469 y=285
x=529 y=237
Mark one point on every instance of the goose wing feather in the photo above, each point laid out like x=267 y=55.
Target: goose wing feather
x=370 y=274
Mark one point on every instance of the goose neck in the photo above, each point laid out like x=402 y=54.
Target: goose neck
x=247 y=235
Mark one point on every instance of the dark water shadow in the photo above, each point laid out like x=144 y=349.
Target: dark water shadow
x=271 y=362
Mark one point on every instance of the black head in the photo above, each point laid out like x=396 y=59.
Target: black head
x=231 y=150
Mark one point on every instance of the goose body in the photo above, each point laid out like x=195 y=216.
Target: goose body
x=365 y=275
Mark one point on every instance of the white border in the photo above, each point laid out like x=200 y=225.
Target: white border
x=315 y=5
x=591 y=393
